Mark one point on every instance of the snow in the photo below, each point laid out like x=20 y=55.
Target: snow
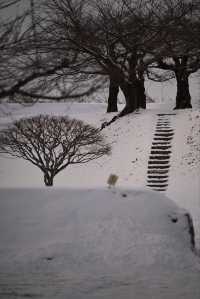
x=184 y=185
x=95 y=243
x=103 y=244
x=166 y=91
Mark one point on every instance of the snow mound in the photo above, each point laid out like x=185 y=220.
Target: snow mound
x=105 y=243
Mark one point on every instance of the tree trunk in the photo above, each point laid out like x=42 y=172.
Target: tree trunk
x=141 y=94
x=134 y=95
x=48 y=179
x=130 y=93
x=183 y=98
x=113 y=93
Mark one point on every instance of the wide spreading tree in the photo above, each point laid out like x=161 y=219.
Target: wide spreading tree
x=53 y=143
x=113 y=35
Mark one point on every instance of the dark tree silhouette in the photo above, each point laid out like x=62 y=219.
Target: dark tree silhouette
x=177 y=45
x=112 y=97
x=53 y=143
x=113 y=37
x=32 y=67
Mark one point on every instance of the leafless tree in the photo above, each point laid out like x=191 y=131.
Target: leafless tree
x=111 y=34
x=32 y=66
x=53 y=143
x=7 y=3
x=177 y=50
x=73 y=47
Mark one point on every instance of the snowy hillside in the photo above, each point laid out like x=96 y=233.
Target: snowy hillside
x=131 y=139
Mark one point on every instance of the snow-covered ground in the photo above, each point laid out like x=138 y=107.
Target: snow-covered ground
x=131 y=139
x=184 y=182
x=101 y=243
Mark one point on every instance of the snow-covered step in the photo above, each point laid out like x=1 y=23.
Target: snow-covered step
x=164 y=135
x=158 y=140
x=159 y=157
x=163 y=120
x=160 y=152
x=158 y=171
x=158 y=167
x=163 y=124
x=157 y=181
x=158 y=143
x=157 y=186
x=163 y=144
x=158 y=162
x=165 y=130
x=163 y=138
x=161 y=147
x=159 y=177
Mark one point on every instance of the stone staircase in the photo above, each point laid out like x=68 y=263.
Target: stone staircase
x=159 y=160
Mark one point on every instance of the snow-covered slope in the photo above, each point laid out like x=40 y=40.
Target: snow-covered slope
x=131 y=139
x=82 y=244
x=184 y=182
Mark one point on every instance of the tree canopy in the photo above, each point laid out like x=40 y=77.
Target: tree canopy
x=53 y=143
x=68 y=49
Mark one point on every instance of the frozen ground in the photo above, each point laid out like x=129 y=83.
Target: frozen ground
x=82 y=244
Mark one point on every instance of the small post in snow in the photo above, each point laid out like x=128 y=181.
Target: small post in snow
x=112 y=180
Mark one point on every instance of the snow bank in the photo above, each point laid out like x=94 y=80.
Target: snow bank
x=82 y=244
x=184 y=183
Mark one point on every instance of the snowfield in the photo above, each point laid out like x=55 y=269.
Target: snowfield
x=97 y=243
x=83 y=240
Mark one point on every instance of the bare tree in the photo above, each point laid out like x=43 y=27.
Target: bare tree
x=6 y=3
x=32 y=66
x=73 y=47
x=113 y=35
x=53 y=143
x=123 y=39
x=177 y=49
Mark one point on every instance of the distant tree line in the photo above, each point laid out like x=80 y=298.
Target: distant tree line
x=61 y=49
